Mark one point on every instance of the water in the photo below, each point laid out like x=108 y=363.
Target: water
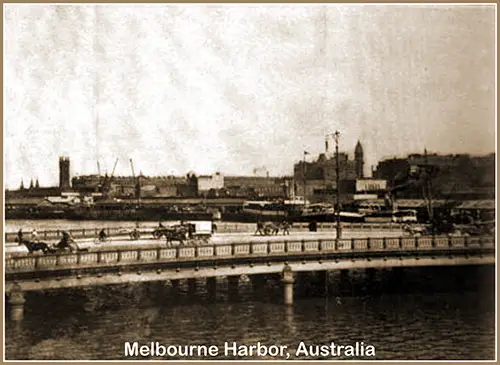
x=430 y=321
x=418 y=314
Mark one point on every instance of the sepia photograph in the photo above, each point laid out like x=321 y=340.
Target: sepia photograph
x=241 y=182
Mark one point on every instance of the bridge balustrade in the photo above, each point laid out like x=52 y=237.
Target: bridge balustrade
x=149 y=255
x=407 y=243
x=276 y=247
x=223 y=250
x=473 y=241
x=327 y=245
x=392 y=243
x=377 y=243
x=344 y=244
x=294 y=246
x=206 y=251
x=103 y=258
x=241 y=249
x=187 y=252
x=259 y=248
x=360 y=244
x=311 y=246
x=441 y=241
x=457 y=241
x=425 y=242
x=168 y=253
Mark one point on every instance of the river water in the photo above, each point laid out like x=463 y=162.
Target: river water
x=417 y=314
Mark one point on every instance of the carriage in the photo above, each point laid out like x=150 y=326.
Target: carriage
x=66 y=244
x=192 y=232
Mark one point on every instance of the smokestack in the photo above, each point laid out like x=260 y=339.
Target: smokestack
x=326 y=146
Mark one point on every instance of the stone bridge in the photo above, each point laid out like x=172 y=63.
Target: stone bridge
x=39 y=272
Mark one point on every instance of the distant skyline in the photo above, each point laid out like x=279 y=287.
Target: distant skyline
x=233 y=88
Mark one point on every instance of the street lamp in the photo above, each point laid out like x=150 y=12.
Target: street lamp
x=304 y=174
x=336 y=137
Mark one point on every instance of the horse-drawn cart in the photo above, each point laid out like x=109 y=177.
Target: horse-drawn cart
x=193 y=232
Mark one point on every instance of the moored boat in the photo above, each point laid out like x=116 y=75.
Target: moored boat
x=275 y=210
x=324 y=212
x=132 y=211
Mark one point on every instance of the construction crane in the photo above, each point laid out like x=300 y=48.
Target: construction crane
x=106 y=185
x=114 y=167
x=132 y=166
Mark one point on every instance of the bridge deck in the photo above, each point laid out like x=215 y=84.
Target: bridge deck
x=124 y=242
x=238 y=250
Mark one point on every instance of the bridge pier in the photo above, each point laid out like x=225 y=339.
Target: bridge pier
x=396 y=279
x=191 y=286
x=287 y=280
x=345 y=282
x=370 y=283
x=258 y=284
x=322 y=283
x=176 y=285
x=233 y=282
x=16 y=301
x=212 y=288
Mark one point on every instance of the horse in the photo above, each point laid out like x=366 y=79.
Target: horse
x=67 y=243
x=38 y=246
x=271 y=228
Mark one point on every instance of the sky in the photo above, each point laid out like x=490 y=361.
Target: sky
x=231 y=88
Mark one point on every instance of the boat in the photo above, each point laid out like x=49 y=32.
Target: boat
x=325 y=212
x=390 y=215
x=271 y=210
x=137 y=212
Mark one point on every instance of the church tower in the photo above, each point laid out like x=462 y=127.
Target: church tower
x=358 y=158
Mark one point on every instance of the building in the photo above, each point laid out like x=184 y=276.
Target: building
x=207 y=183
x=359 y=160
x=64 y=174
x=267 y=187
x=459 y=176
x=129 y=187
x=317 y=180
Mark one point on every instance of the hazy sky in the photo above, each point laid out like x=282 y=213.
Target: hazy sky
x=231 y=88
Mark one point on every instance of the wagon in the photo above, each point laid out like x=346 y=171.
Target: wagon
x=191 y=232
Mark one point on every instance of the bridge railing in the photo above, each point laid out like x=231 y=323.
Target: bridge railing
x=222 y=227
x=241 y=250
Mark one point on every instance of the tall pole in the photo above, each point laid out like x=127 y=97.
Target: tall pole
x=428 y=185
x=337 y=176
x=304 y=175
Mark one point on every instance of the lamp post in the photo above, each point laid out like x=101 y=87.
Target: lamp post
x=336 y=136
x=304 y=174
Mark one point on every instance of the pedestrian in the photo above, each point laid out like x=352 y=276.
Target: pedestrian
x=34 y=235
x=260 y=227
x=20 y=236
x=102 y=235
x=286 y=226
x=313 y=226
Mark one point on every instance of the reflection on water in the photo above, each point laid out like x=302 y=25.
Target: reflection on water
x=430 y=314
